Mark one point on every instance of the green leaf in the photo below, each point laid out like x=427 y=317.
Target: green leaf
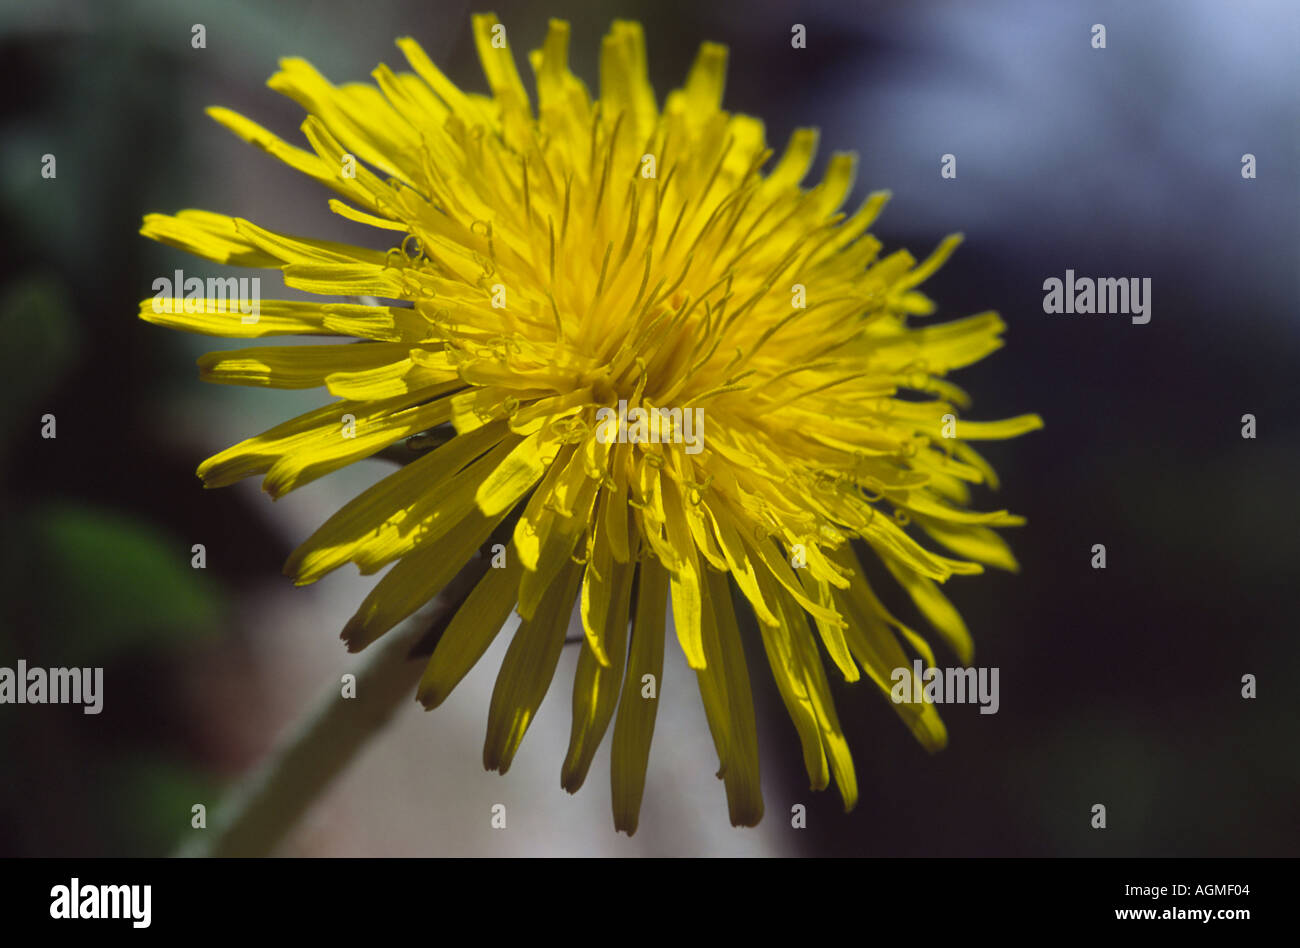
x=40 y=345
x=116 y=583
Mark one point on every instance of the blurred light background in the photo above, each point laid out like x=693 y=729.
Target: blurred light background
x=1119 y=687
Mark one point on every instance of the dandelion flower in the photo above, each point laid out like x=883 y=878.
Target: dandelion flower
x=547 y=268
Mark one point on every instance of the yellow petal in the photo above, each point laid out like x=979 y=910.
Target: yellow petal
x=558 y=529
x=474 y=627
x=624 y=80
x=596 y=683
x=998 y=430
x=599 y=586
x=498 y=62
x=686 y=592
x=702 y=94
x=295 y=366
x=787 y=670
x=329 y=174
x=340 y=447
x=417 y=578
x=513 y=478
x=935 y=606
x=973 y=542
x=222 y=316
x=527 y=670
x=881 y=657
x=637 y=708
x=729 y=703
x=383 y=520
x=832 y=634
x=207 y=235
x=832 y=738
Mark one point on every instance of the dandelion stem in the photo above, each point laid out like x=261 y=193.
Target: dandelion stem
x=259 y=813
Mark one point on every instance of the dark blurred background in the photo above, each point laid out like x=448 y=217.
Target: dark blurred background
x=1119 y=686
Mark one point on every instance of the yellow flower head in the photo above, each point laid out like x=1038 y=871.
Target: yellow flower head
x=670 y=374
